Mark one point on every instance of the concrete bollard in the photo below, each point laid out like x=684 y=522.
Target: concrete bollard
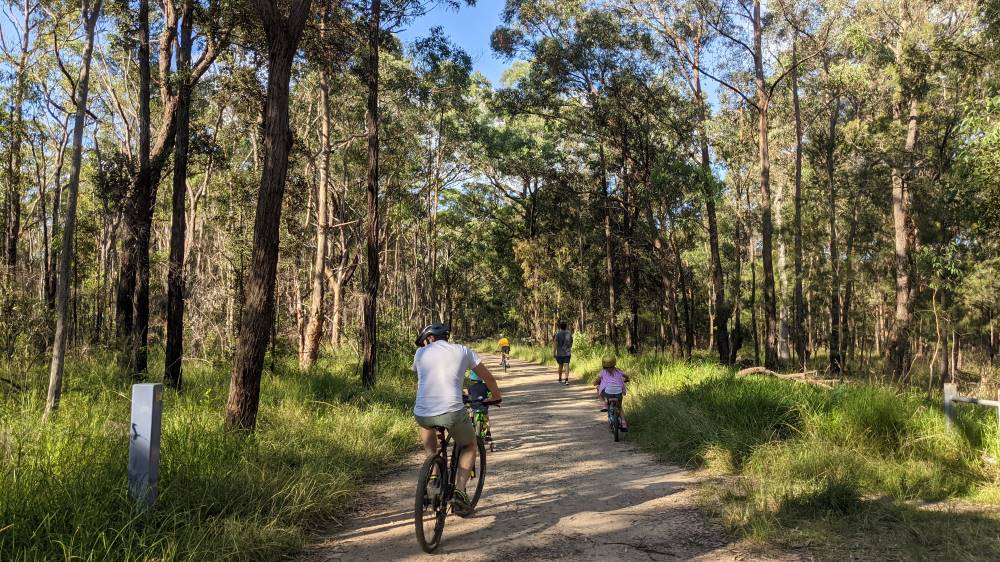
x=144 y=443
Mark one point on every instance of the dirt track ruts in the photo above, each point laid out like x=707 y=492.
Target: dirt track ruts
x=557 y=488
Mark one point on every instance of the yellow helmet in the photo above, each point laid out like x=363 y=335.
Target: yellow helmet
x=609 y=361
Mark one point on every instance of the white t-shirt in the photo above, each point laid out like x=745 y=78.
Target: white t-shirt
x=441 y=368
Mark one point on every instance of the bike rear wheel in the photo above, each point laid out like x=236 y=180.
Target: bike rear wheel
x=431 y=507
x=478 y=478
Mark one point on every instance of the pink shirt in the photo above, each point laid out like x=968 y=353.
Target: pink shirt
x=612 y=381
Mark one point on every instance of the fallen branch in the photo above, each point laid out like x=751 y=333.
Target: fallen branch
x=798 y=377
x=12 y=383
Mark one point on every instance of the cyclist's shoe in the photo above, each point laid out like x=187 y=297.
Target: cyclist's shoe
x=460 y=504
x=604 y=409
x=622 y=428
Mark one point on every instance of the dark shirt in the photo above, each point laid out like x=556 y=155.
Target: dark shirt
x=564 y=343
x=478 y=392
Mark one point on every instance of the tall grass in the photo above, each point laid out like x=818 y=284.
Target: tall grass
x=857 y=464
x=222 y=496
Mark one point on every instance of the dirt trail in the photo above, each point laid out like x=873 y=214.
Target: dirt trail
x=557 y=487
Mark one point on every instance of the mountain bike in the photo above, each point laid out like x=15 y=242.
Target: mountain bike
x=436 y=487
x=503 y=362
x=614 y=415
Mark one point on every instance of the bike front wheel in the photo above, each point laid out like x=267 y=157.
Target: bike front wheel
x=431 y=507
x=478 y=477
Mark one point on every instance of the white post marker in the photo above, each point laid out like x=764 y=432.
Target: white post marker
x=144 y=443
x=950 y=392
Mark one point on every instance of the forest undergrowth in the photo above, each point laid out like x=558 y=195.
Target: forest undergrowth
x=223 y=495
x=864 y=469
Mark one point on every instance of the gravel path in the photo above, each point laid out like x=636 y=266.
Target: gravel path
x=558 y=488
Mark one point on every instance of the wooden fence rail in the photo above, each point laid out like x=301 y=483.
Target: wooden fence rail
x=951 y=397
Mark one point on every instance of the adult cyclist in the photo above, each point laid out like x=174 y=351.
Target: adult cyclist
x=504 y=345
x=441 y=367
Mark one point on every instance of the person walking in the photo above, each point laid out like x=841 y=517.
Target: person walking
x=562 y=346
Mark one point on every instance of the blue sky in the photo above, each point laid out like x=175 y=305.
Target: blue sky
x=470 y=29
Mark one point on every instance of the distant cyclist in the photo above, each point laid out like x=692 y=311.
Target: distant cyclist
x=504 y=345
x=441 y=367
x=562 y=346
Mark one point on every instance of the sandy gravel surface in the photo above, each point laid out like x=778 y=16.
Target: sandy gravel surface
x=557 y=488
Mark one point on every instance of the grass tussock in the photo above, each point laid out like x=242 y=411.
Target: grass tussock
x=222 y=496
x=860 y=467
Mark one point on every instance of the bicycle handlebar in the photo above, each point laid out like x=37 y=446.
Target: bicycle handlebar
x=490 y=402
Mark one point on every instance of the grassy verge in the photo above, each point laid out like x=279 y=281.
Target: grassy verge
x=863 y=470
x=222 y=496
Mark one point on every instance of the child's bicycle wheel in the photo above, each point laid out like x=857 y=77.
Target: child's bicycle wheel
x=478 y=476
x=483 y=429
x=614 y=421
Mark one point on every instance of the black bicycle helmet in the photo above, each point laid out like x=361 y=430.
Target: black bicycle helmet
x=439 y=331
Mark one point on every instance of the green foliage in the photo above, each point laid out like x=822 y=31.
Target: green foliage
x=222 y=496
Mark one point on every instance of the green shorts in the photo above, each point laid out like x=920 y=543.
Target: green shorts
x=458 y=424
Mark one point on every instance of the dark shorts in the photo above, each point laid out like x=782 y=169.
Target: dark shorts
x=505 y=349
x=562 y=359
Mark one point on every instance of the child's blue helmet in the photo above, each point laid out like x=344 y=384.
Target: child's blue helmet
x=473 y=376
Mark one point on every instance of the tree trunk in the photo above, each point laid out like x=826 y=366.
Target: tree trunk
x=608 y=251
x=172 y=374
x=798 y=326
x=133 y=290
x=258 y=311
x=126 y=281
x=52 y=256
x=836 y=359
x=14 y=176
x=668 y=286
x=847 y=332
x=631 y=334
x=770 y=302
x=314 y=327
x=685 y=298
x=721 y=320
x=369 y=363
x=899 y=342
x=784 y=326
x=752 y=254
x=65 y=258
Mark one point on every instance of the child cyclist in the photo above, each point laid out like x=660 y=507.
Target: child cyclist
x=610 y=383
x=479 y=393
